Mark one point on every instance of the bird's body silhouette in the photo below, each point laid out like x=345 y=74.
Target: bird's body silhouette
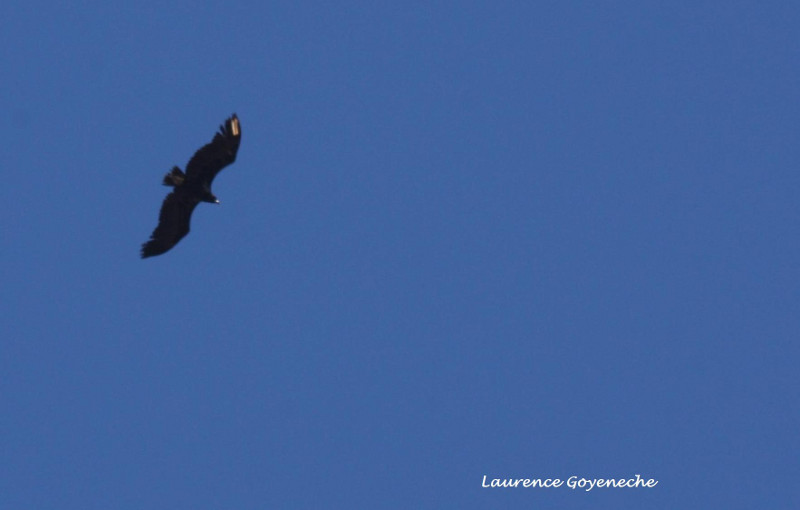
x=192 y=187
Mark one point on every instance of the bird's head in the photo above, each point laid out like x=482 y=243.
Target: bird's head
x=210 y=198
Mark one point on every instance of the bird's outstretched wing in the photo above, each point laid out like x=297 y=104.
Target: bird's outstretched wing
x=173 y=223
x=213 y=157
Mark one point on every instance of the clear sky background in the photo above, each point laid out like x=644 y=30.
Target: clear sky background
x=528 y=239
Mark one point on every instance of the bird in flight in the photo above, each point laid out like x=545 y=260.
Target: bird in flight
x=192 y=187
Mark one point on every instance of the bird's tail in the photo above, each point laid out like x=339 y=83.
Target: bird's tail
x=174 y=178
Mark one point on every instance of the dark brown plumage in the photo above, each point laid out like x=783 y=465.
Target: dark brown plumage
x=192 y=188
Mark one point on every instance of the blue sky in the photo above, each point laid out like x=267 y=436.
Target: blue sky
x=520 y=240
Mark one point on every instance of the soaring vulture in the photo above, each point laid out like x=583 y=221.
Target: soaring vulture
x=193 y=187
